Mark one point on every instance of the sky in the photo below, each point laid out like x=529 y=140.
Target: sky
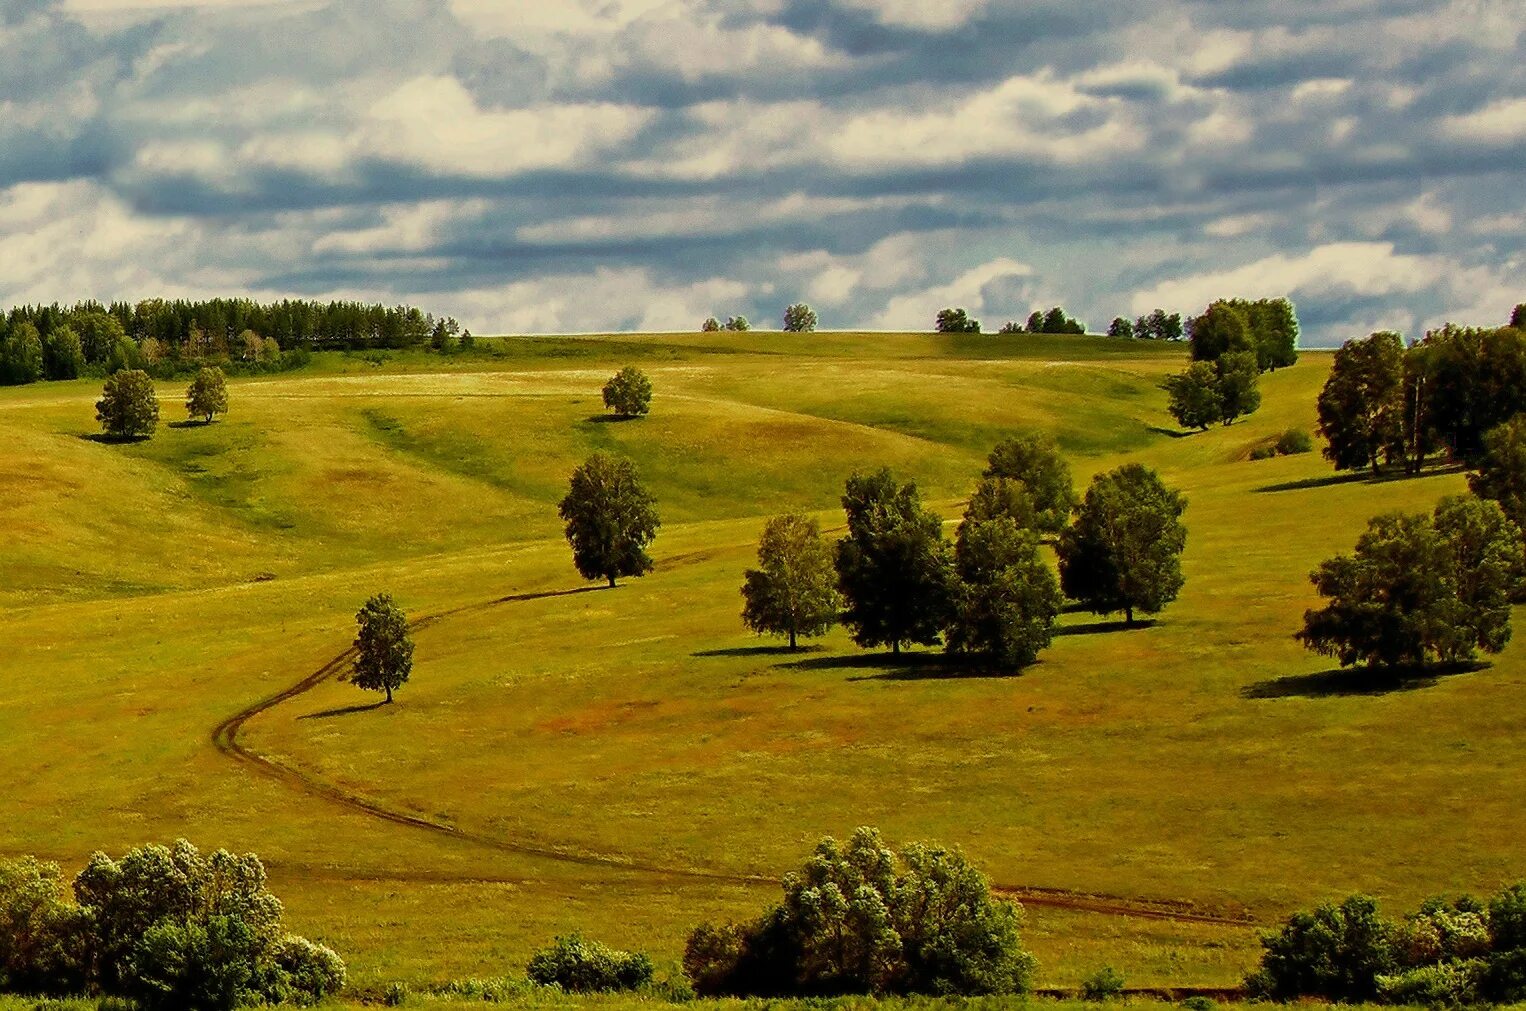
x=595 y=165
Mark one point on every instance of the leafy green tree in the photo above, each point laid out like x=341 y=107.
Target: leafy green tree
x=629 y=393
x=128 y=407
x=21 y=356
x=207 y=395
x=799 y=318
x=1221 y=328
x=1335 y=952
x=893 y=567
x=996 y=497
x=579 y=965
x=43 y=938
x=1361 y=407
x=861 y=918
x=1035 y=322
x=62 y=356
x=1005 y=596
x=1193 y=397
x=1419 y=588
x=1159 y=326
x=1475 y=380
x=1034 y=459
x=1239 y=385
x=610 y=519
x=1274 y=326
x=100 y=334
x=955 y=321
x=1057 y=322
x=383 y=646
x=1501 y=473
x=1120 y=327
x=711 y=325
x=793 y=591
x=738 y=324
x=1123 y=553
x=1010 y=327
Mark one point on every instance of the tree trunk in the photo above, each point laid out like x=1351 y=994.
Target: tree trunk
x=1128 y=617
x=792 y=639
x=389 y=694
x=895 y=647
x=611 y=582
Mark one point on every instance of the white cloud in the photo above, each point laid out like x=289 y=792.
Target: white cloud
x=915 y=311
x=922 y=13
x=1504 y=120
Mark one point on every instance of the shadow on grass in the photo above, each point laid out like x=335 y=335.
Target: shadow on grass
x=193 y=423
x=1103 y=627
x=899 y=666
x=344 y=711
x=1174 y=433
x=1359 y=477
x=611 y=419
x=745 y=651
x=113 y=440
x=1357 y=681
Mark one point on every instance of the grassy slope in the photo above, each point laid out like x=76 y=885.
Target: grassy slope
x=1192 y=761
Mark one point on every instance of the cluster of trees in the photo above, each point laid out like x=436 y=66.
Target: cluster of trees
x=629 y=393
x=894 y=579
x=1157 y=326
x=1054 y=321
x=167 y=927
x=737 y=324
x=1267 y=327
x=955 y=321
x=129 y=404
x=579 y=965
x=862 y=918
x=1459 y=952
x=1388 y=405
x=1216 y=392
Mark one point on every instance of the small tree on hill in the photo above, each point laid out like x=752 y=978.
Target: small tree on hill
x=1362 y=404
x=799 y=318
x=1010 y=327
x=207 y=395
x=610 y=519
x=1239 y=385
x=1192 y=396
x=738 y=324
x=1123 y=553
x=1005 y=597
x=383 y=647
x=1120 y=327
x=128 y=407
x=629 y=393
x=793 y=591
x=955 y=321
x=893 y=567
x=711 y=325
x=1035 y=460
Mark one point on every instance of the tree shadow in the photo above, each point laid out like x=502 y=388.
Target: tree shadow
x=611 y=419
x=1174 y=433
x=1349 y=681
x=1103 y=627
x=1361 y=477
x=103 y=439
x=193 y=423
x=745 y=651
x=344 y=711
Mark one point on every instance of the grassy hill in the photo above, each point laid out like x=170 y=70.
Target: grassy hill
x=632 y=762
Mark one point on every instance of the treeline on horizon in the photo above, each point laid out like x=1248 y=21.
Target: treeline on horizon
x=168 y=338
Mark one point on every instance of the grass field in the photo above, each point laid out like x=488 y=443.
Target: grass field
x=631 y=761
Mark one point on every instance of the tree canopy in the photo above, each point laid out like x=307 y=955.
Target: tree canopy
x=1034 y=460
x=955 y=321
x=207 y=395
x=1123 y=553
x=1005 y=597
x=793 y=591
x=383 y=646
x=629 y=393
x=1361 y=406
x=129 y=407
x=610 y=519
x=799 y=318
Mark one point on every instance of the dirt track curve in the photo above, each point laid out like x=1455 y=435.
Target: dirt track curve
x=225 y=740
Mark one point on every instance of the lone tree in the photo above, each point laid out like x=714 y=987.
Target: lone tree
x=799 y=318
x=1192 y=396
x=610 y=519
x=1005 y=597
x=893 y=567
x=207 y=395
x=955 y=321
x=628 y=393
x=1420 y=588
x=1362 y=404
x=1034 y=459
x=738 y=324
x=711 y=325
x=383 y=647
x=128 y=407
x=793 y=591
x=1124 y=551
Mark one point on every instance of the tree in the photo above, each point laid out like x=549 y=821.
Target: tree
x=711 y=325
x=996 y=497
x=610 y=519
x=21 y=356
x=738 y=324
x=1274 y=327
x=1419 y=588
x=1123 y=553
x=1159 y=326
x=1120 y=327
x=1005 y=597
x=383 y=647
x=1518 y=317
x=861 y=918
x=799 y=318
x=1219 y=330
x=793 y=591
x=1034 y=459
x=62 y=356
x=1193 y=397
x=1010 y=327
x=629 y=393
x=1361 y=406
x=1035 y=322
x=207 y=395
x=1501 y=473
x=955 y=321
x=1056 y=321
x=893 y=567
x=1336 y=952
x=579 y=965
x=1238 y=382
x=1475 y=380
x=128 y=407
x=100 y=335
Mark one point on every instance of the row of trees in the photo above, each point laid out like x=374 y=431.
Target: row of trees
x=1055 y=321
x=737 y=324
x=798 y=318
x=1156 y=326
x=1267 y=327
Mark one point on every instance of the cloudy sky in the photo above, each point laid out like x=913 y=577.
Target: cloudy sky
x=532 y=165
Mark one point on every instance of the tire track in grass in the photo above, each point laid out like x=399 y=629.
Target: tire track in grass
x=225 y=738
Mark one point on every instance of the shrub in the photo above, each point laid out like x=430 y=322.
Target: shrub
x=1504 y=977
x=308 y=972
x=1293 y=442
x=711 y=325
x=1104 y=984
x=1447 y=984
x=738 y=324
x=1507 y=918
x=396 y=995
x=1335 y=952
x=1263 y=452
x=1200 y=1003
x=578 y=965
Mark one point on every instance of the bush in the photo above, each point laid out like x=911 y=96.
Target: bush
x=1293 y=442
x=1503 y=980
x=1200 y=1003
x=42 y=938
x=1104 y=984
x=307 y=972
x=1263 y=453
x=1335 y=952
x=578 y=965
x=396 y=995
x=1447 y=984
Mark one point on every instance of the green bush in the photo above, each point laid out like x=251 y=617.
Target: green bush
x=1504 y=977
x=1104 y=984
x=1445 y=984
x=1335 y=952
x=1293 y=442
x=1507 y=918
x=396 y=995
x=1200 y=1003
x=578 y=965
x=1263 y=453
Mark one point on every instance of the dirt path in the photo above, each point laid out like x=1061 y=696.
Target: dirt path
x=225 y=738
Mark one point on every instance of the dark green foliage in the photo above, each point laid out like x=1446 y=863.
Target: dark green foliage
x=1193 y=397
x=738 y=324
x=1034 y=460
x=894 y=566
x=1293 y=442
x=1440 y=985
x=1507 y=918
x=1335 y=952
x=1420 y=588
x=1103 y=985
x=208 y=964
x=1475 y=380
x=1054 y=321
x=21 y=355
x=1035 y=322
x=610 y=519
x=1268 y=328
x=1221 y=329
x=578 y=965
x=1518 y=317
x=711 y=325
x=62 y=355
x=863 y=919
x=1361 y=406
x=207 y=395
x=1010 y=327
x=43 y=938
x=1123 y=553
x=305 y=973
x=995 y=497
x=956 y=321
x=100 y=335
x=383 y=647
x=1238 y=383
x=799 y=318
x=629 y=393
x=1120 y=327
x=1005 y=597
x=793 y=591
x=1158 y=326
x=1503 y=980
x=129 y=407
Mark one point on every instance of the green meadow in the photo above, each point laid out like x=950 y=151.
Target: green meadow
x=631 y=762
